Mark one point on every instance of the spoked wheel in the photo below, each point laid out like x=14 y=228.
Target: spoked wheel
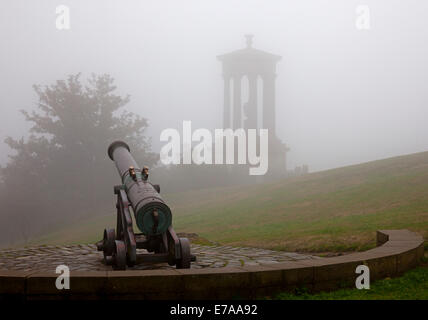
x=184 y=261
x=108 y=244
x=119 y=256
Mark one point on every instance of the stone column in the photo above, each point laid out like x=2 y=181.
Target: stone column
x=226 y=108
x=251 y=122
x=237 y=102
x=269 y=104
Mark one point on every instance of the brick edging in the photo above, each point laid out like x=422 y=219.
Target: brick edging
x=397 y=252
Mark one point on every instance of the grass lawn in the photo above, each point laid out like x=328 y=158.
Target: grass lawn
x=413 y=285
x=334 y=210
x=328 y=211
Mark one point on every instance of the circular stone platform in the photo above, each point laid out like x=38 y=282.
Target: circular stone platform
x=220 y=273
x=87 y=258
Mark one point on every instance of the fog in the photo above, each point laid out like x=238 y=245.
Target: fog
x=344 y=95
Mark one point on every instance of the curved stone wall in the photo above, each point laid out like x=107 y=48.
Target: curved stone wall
x=397 y=251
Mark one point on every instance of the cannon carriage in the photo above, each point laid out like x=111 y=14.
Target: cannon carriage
x=152 y=216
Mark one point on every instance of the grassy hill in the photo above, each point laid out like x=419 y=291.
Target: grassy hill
x=333 y=210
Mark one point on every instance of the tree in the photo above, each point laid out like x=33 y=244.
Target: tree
x=61 y=171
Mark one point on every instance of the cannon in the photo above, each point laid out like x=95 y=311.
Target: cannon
x=152 y=216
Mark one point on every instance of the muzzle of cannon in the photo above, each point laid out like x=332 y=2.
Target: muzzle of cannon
x=152 y=216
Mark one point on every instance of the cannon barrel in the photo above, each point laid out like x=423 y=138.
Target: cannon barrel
x=152 y=214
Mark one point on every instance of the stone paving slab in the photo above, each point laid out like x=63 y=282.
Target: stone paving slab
x=85 y=257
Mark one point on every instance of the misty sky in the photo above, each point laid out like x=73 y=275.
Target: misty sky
x=344 y=95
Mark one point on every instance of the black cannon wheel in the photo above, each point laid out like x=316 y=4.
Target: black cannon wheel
x=119 y=256
x=108 y=242
x=184 y=261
